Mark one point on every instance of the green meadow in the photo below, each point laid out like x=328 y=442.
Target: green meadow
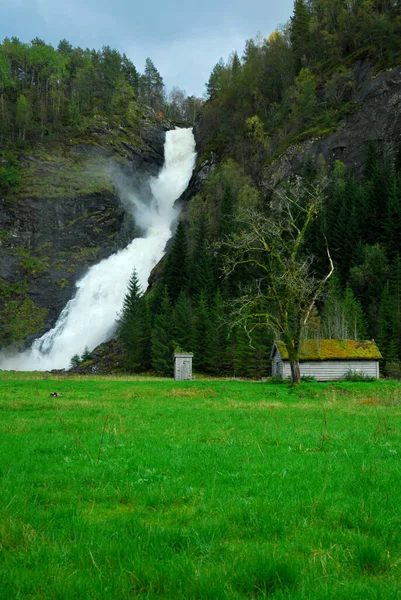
x=147 y=488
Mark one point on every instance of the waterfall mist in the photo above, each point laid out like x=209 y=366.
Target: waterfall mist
x=89 y=318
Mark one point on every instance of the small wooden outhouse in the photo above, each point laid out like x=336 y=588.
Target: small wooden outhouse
x=183 y=365
x=327 y=360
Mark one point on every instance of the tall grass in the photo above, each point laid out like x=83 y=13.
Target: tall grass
x=129 y=488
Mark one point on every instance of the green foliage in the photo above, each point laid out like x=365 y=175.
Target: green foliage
x=151 y=86
x=300 y=33
x=162 y=342
x=86 y=354
x=299 y=82
x=308 y=379
x=134 y=328
x=10 y=177
x=75 y=361
x=19 y=319
x=358 y=376
x=46 y=91
x=10 y=174
x=342 y=315
x=176 y=276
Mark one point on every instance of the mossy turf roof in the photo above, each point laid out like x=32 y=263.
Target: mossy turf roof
x=334 y=350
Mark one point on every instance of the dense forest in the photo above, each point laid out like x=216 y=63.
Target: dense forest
x=47 y=92
x=298 y=84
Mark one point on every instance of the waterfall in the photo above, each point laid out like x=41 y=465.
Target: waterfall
x=90 y=317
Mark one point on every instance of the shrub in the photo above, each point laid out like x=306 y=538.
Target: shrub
x=75 y=361
x=358 y=376
x=308 y=379
x=393 y=369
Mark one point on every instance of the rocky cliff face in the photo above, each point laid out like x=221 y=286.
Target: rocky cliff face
x=68 y=214
x=376 y=116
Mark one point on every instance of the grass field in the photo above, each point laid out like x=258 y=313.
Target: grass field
x=125 y=488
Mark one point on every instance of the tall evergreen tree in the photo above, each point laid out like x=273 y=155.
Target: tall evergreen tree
x=162 y=342
x=176 y=275
x=386 y=327
x=131 y=326
x=202 y=335
x=219 y=356
x=182 y=330
x=151 y=86
x=203 y=280
x=299 y=33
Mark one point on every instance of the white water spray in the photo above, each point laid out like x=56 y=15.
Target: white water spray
x=90 y=317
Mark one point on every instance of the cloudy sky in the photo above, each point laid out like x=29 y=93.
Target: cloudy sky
x=184 y=38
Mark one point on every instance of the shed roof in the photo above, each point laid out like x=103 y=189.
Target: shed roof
x=334 y=350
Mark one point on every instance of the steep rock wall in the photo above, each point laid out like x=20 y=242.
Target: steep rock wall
x=376 y=116
x=67 y=214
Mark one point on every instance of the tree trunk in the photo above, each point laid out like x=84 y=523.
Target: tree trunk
x=295 y=372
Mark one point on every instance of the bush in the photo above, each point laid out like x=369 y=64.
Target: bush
x=308 y=379
x=75 y=361
x=393 y=369
x=358 y=376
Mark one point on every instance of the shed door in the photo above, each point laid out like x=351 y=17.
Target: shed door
x=186 y=368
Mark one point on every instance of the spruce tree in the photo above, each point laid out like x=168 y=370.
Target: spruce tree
x=386 y=327
x=391 y=234
x=203 y=280
x=146 y=335
x=131 y=326
x=299 y=33
x=162 y=343
x=219 y=356
x=202 y=336
x=395 y=287
x=183 y=323
x=227 y=211
x=176 y=274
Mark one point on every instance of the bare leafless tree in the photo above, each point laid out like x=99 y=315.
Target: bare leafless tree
x=281 y=286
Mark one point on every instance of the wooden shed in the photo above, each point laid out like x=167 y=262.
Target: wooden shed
x=183 y=366
x=327 y=360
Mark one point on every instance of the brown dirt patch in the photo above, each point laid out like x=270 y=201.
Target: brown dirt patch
x=258 y=405
x=191 y=393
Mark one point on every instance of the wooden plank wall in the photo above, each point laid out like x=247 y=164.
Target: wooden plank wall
x=330 y=370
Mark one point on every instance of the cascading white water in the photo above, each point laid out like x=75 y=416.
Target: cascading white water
x=90 y=317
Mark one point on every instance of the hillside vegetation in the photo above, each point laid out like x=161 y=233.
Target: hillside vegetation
x=331 y=72
x=277 y=120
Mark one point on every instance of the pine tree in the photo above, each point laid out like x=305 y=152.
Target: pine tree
x=386 y=327
x=183 y=323
x=151 y=86
x=146 y=335
x=243 y=352
x=176 y=275
x=392 y=218
x=395 y=288
x=227 y=211
x=299 y=33
x=203 y=280
x=131 y=326
x=162 y=342
x=202 y=336
x=219 y=356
